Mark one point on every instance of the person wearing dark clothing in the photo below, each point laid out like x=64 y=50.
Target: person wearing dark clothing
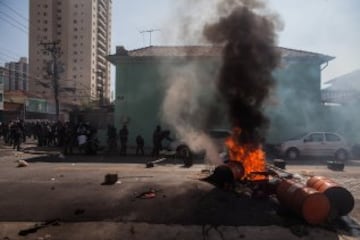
x=69 y=138
x=156 y=141
x=140 y=145
x=123 y=134
x=16 y=135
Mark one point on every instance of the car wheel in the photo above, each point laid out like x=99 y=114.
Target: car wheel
x=341 y=155
x=292 y=154
x=184 y=153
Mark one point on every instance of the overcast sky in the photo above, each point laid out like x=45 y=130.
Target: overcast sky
x=329 y=27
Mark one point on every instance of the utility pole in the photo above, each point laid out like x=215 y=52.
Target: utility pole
x=54 y=50
x=150 y=31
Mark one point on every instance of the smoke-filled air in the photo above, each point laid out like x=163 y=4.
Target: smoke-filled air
x=246 y=32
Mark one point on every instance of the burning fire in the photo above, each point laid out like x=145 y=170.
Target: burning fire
x=252 y=158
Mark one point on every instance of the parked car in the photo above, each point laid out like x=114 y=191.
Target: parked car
x=316 y=144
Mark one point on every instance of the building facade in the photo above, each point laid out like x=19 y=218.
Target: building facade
x=142 y=76
x=16 y=75
x=81 y=30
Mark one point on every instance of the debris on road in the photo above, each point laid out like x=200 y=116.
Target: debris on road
x=148 y=194
x=335 y=165
x=151 y=164
x=22 y=163
x=110 y=179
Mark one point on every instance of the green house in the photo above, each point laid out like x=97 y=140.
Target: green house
x=141 y=77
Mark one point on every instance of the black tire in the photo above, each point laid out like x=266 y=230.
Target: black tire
x=341 y=155
x=292 y=154
x=185 y=154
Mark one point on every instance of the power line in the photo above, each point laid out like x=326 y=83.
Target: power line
x=14 y=19
x=24 y=31
x=14 y=11
x=8 y=51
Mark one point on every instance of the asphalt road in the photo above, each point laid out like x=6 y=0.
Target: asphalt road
x=58 y=197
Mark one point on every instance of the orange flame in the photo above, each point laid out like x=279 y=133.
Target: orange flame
x=253 y=159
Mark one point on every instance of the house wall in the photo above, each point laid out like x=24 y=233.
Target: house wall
x=293 y=108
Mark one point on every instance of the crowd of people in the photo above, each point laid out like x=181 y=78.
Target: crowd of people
x=81 y=136
x=50 y=134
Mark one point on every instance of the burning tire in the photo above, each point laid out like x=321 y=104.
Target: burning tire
x=341 y=155
x=185 y=154
x=292 y=154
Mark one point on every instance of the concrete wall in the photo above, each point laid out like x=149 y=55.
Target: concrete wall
x=293 y=108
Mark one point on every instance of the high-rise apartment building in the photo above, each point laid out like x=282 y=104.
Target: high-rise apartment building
x=15 y=75
x=82 y=29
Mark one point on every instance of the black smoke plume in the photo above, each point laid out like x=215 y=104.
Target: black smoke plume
x=249 y=58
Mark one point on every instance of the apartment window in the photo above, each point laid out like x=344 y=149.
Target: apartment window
x=45 y=14
x=75 y=37
x=45 y=6
x=75 y=29
x=45 y=21
x=75 y=21
x=45 y=29
x=76 y=5
x=59 y=25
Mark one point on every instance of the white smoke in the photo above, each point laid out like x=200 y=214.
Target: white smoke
x=189 y=96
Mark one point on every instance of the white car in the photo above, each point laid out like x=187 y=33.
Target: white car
x=316 y=144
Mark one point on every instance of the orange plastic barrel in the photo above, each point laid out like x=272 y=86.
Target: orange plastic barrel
x=312 y=205
x=341 y=200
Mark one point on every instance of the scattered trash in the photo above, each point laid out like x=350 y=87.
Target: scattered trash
x=52 y=179
x=152 y=163
x=148 y=194
x=110 y=179
x=61 y=175
x=22 y=163
x=79 y=211
x=73 y=164
x=61 y=156
x=206 y=171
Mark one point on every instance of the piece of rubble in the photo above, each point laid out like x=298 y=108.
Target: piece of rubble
x=147 y=195
x=110 y=179
x=22 y=163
